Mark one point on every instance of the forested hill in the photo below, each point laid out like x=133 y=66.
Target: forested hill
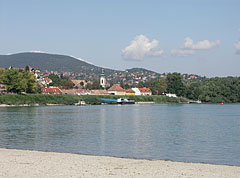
x=50 y=62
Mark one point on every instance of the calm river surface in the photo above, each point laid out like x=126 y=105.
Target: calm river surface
x=188 y=132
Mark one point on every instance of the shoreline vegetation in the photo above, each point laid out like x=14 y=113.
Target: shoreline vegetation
x=28 y=163
x=212 y=90
x=41 y=99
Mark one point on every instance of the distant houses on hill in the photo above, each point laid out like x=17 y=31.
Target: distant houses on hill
x=114 y=90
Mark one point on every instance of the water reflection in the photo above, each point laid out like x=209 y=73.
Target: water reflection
x=196 y=133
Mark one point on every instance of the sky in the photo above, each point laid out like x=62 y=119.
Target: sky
x=187 y=36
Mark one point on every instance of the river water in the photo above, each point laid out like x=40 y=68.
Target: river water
x=179 y=132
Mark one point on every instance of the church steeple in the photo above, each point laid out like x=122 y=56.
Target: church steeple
x=103 y=79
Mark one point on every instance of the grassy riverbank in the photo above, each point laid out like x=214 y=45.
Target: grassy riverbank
x=72 y=99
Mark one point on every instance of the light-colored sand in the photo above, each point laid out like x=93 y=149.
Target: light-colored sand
x=31 y=164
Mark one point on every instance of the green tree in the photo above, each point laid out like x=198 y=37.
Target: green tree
x=67 y=84
x=175 y=84
x=96 y=85
x=194 y=90
x=56 y=81
x=1 y=75
x=82 y=84
x=20 y=81
x=27 y=68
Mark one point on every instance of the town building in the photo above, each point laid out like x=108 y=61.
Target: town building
x=130 y=92
x=46 y=81
x=51 y=90
x=145 y=91
x=103 y=81
x=100 y=92
x=3 y=89
x=171 y=95
x=116 y=90
x=137 y=91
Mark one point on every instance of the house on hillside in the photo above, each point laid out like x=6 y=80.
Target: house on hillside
x=145 y=91
x=116 y=90
x=3 y=89
x=130 y=92
x=46 y=81
x=51 y=90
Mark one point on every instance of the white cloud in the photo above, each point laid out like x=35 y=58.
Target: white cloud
x=189 y=47
x=141 y=47
x=201 y=45
x=237 y=45
x=182 y=52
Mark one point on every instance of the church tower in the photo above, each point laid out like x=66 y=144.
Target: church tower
x=103 y=79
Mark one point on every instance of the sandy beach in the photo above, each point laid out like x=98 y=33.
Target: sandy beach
x=31 y=164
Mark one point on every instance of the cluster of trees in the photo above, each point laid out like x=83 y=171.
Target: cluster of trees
x=62 y=81
x=172 y=84
x=19 y=81
x=94 y=86
x=213 y=90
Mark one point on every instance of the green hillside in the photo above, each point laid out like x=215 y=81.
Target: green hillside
x=50 y=62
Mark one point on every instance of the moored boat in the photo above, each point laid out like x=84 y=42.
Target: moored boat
x=125 y=101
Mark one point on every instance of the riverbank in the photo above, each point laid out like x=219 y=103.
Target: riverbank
x=29 y=164
x=41 y=99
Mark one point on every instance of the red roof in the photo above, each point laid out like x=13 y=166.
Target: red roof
x=47 y=79
x=51 y=90
x=130 y=91
x=116 y=87
x=145 y=90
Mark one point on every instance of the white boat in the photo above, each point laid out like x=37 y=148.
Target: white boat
x=125 y=101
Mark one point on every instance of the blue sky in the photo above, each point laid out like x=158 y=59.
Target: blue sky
x=187 y=36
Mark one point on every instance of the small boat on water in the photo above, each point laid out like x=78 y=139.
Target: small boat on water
x=80 y=103
x=119 y=101
x=125 y=101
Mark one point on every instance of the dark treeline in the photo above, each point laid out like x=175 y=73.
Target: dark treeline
x=215 y=90
x=212 y=90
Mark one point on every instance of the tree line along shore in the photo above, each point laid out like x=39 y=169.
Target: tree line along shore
x=208 y=90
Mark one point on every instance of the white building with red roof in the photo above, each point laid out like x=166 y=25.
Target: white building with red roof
x=137 y=91
x=45 y=81
x=142 y=91
x=51 y=90
x=145 y=91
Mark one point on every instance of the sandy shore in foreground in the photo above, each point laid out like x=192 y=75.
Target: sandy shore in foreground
x=31 y=164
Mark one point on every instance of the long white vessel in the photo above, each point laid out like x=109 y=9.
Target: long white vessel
x=125 y=101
